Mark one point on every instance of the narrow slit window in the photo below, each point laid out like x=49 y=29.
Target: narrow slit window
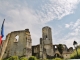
x=46 y=36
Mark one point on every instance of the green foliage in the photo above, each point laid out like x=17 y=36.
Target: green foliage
x=57 y=59
x=60 y=48
x=13 y=58
x=32 y=58
x=74 y=54
x=23 y=58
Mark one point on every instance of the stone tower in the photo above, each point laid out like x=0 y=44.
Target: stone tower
x=19 y=44
x=47 y=42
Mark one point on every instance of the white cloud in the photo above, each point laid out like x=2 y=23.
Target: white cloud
x=57 y=9
x=67 y=25
x=75 y=31
x=48 y=10
x=74 y=34
x=74 y=26
x=69 y=42
x=33 y=15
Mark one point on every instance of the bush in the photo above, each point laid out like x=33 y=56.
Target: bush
x=23 y=58
x=13 y=58
x=57 y=59
x=32 y=58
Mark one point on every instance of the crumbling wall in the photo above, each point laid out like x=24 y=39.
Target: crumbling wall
x=36 y=51
x=4 y=45
x=22 y=47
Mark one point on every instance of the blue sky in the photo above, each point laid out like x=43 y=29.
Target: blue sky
x=62 y=16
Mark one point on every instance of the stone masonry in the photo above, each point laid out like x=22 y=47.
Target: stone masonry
x=22 y=46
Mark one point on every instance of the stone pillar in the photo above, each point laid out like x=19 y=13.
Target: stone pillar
x=29 y=44
x=41 y=48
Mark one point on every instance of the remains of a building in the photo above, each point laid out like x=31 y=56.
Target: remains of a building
x=23 y=45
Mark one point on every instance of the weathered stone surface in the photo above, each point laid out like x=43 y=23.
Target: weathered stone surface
x=36 y=51
x=4 y=45
x=22 y=47
x=47 y=40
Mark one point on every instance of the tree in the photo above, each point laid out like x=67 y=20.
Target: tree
x=60 y=48
x=75 y=45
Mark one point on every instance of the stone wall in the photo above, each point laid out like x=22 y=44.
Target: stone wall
x=22 y=47
x=4 y=45
x=19 y=43
x=36 y=51
x=67 y=55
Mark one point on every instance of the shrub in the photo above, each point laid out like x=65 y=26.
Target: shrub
x=13 y=58
x=32 y=58
x=57 y=59
x=23 y=58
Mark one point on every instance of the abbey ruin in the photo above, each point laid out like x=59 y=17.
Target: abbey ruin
x=23 y=46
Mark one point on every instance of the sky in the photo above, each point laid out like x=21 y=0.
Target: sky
x=63 y=16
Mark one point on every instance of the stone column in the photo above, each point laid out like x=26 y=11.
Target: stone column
x=41 y=49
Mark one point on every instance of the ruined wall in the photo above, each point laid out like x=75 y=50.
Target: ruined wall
x=29 y=44
x=4 y=45
x=1 y=46
x=36 y=51
x=65 y=49
x=21 y=47
x=67 y=55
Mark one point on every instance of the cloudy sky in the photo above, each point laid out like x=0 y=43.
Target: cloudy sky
x=63 y=16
